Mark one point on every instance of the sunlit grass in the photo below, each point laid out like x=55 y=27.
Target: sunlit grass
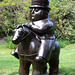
x=67 y=60
x=10 y=65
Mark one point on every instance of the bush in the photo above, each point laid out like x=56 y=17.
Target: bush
x=9 y=43
x=62 y=14
x=13 y=13
x=7 y=39
x=63 y=43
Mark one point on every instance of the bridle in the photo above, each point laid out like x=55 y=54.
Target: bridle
x=30 y=31
x=24 y=36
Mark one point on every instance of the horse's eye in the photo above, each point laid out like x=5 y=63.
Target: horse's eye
x=20 y=32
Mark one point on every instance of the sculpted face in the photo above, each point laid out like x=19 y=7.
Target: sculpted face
x=37 y=14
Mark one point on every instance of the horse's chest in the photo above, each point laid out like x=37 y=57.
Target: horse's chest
x=29 y=48
x=34 y=46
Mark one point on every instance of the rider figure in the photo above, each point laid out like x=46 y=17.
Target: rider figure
x=43 y=27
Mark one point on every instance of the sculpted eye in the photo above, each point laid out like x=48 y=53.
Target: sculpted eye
x=37 y=10
x=20 y=32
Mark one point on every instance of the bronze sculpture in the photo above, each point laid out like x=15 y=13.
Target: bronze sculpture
x=38 y=45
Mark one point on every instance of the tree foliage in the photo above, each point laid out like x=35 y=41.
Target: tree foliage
x=14 y=12
x=63 y=16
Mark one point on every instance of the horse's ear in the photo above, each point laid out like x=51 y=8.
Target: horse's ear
x=18 y=26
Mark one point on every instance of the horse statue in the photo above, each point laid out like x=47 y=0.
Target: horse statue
x=28 y=46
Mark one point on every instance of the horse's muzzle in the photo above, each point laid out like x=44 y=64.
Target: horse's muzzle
x=15 y=41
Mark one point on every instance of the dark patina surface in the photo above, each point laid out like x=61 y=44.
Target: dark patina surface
x=36 y=42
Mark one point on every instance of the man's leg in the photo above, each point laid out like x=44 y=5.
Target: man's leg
x=45 y=50
x=15 y=53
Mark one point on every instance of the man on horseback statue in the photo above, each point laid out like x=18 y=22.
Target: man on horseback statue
x=43 y=27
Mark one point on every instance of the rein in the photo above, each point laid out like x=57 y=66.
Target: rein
x=25 y=36
x=37 y=36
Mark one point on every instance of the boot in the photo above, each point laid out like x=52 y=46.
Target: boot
x=15 y=53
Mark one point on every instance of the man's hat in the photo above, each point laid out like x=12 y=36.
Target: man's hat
x=40 y=4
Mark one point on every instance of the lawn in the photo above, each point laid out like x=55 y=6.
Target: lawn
x=9 y=65
x=67 y=60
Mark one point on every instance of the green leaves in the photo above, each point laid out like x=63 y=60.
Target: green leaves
x=14 y=12
x=63 y=15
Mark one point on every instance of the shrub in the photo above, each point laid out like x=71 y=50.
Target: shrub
x=9 y=43
x=14 y=12
x=63 y=43
x=63 y=15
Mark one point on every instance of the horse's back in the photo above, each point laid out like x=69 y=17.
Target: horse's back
x=57 y=45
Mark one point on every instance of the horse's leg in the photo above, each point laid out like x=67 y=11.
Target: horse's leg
x=38 y=67
x=54 y=61
x=45 y=69
x=24 y=67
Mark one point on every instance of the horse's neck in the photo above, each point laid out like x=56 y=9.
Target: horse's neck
x=32 y=35
x=29 y=38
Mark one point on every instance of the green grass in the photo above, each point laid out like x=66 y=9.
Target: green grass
x=9 y=65
x=67 y=60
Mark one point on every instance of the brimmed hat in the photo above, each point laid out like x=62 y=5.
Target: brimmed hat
x=40 y=4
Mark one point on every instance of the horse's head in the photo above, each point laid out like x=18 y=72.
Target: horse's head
x=20 y=33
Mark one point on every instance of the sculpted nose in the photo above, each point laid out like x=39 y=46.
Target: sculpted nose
x=32 y=11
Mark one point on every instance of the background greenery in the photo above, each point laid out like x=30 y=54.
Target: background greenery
x=14 y=12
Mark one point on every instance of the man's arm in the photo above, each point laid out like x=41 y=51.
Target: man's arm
x=41 y=29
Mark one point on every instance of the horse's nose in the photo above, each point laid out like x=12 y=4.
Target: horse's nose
x=14 y=40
